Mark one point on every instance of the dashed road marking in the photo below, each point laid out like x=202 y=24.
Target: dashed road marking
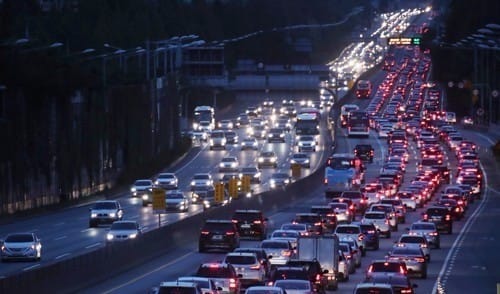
x=31 y=267
x=62 y=255
x=60 y=238
x=93 y=245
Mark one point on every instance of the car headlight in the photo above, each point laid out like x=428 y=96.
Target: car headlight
x=112 y=214
x=157 y=182
x=93 y=215
x=211 y=142
x=109 y=237
x=306 y=161
x=233 y=164
x=287 y=181
x=273 y=159
x=261 y=159
x=257 y=175
x=193 y=183
x=282 y=135
x=272 y=181
x=255 y=143
x=293 y=161
x=221 y=164
x=145 y=197
x=133 y=189
x=208 y=183
x=132 y=236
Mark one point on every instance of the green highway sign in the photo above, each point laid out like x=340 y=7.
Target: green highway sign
x=404 y=41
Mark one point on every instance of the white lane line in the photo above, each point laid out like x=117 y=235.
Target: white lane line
x=134 y=216
x=459 y=240
x=62 y=255
x=58 y=224
x=193 y=159
x=86 y=230
x=486 y=138
x=93 y=245
x=31 y=267
x=60 y=238
x=148 y=273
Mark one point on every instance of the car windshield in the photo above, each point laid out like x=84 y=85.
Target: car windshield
x=175 y=196
x=300 y=155
x=347 y=230
x=307 y=218
x=123 y=226
x=105 y=205
x=177 y=290
x=249 y=170
x=21 y=238
x=200 y=177
x=228 y=159
x=240 y=259
x=267 y=154
x=166 y=176
x=142 y=183
x=293 y=285
x=279 y=176
x=375 y=215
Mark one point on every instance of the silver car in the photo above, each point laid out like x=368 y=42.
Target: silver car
x=429 y=230
x=249 y=143
x=292 y=286
x=105 y=212
x=280 y=180
x=413 y=257
x=380 y=220
x=265 y=290
x=141 y=188
x=207 y=285
x=248 y=266
x=228 y=164
x=280 y=250
x=341 y=210
x=167 y=181
x=301 y=159
x=356 y=252
x=415 y=240
x=176 y=200
x=289 y=235
x=21 y=246
x=351 y=231
x=201 y=181
x=123 y=231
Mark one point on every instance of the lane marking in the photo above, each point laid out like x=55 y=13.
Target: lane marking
x=62 y=255
x=60 y=238
x=93 y=245
x=148 y=273
x=458 y=241
x=486 y=138
x=59 y=224
x=86 y=230
x=31 y=267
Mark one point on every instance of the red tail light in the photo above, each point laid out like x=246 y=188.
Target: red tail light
x=232 y=283
x=426 y=216
x=229 y=233
x=318 y=277
x=433 y=233
x=361 y=237
x=317 y=224
x=286 y=253
x=402 y=270
x=406 y=291
x=205 y=232
x=370 y=269
x=257 y=222
x=448 y=217
x=325 y=181
x=420 y=259
x=234 y=221
x=255 y=267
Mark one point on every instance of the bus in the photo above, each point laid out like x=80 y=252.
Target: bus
x=307 y=124
x=358 y=124
x=204 y=114
x=343 y=172
x=344 y=112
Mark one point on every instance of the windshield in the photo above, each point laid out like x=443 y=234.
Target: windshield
x=105 y=205
x=237 y=259
x=275 y=245
x=289 y=234
x=124 y=226
x=19 y=238
x=142 y=183
x=201 y=177
x=166 y=176
x=175 y=196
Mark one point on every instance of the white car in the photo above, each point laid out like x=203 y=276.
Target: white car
x=390 y=212
x=302 y=229
x=225 y=124
x=344 y=265
x=228 y=164
x=292 y=286
x=123 y=230
x=175 y=200
x=201 y=181
x=168 y=181
x=280 y=250
x=357 y=253
x=289 y=235
x=306 y=143
x=416 y=240
x=249 y=143
x=384 y=131
x=141 y=187
x=341 y=210
x=21 y=246
x=380 y=220
x=248 y=266
x=301 y=159
x=351 y=231
x=105 y=212
x=206 y=285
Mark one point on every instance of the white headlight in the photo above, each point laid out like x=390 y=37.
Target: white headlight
x=93 y=214
x=109 y=237
x=145 y=197
x=113 y=214
x=132 y=236
x=193 y=183
x=133 y=189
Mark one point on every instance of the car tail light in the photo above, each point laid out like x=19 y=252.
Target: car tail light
x=257 y=222
x=448 y=217
x=406 y=291
x=386 y=221
x=205 y=232
x=234 y=221
x=433 y=233
x=361 y=237
x=255 y=267
x=460 y=202
x=426 y=216
x=317 y=224
x=371 y=232
x=325 y=181
x=229 y=233
x=270 y=283
x=423 y=245
x=419 y=259
x=318 y=277
x=286 y=253
x=232 y=283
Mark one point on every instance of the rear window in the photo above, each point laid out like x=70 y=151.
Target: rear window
x=274 y=245
x=246 y=216
x=412 y=239
x=218 y=226
x=428 y=227
x=236 y=259
x=353 y=195
x=375 y=215
x=347 y=230
x=392 y=267
x=307 y=218
x=437 y=211
x=373 y=290
x=177 y=290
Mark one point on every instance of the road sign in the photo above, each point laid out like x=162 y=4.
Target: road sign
x=480 y=111
x=159 y=205
x=219 y=192
x=245 y=184
x=233 y=188
x=296 y=170
x=404 y=41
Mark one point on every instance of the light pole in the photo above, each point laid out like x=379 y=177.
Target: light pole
x=215 y=92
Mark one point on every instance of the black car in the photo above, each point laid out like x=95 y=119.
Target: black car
x=372 y=236
x=314 y=221
x=287 y=272
x=400 y=283
x=315 y=273
x=218 y=235
x=364 y=151
x=250 y=223
x=441 y=216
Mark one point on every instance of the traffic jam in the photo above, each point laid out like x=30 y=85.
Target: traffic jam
x=412 y=192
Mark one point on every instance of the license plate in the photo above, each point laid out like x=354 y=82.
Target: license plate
x=217 y=237
x=245 y=226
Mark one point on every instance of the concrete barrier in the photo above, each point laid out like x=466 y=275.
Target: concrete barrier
x=79 y=272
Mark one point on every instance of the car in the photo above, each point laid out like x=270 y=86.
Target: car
x=258 y=131
x=364 y=151
x=372 y=192
x=178 y=287
x=380 y=220
x=427 y=229
x=175 y=200
x=276 y=135
x=279 y=180
x=217 y=140
x=141 y=188
x=249 y=143
x=400 y=283
x=313 y=220
x=168 y=181
x=357 y=198
x=248 y=266
x=408 y=199
x=261 y=255
x=328 y=217
x=379 y=288
x=223 y=274
x=413 y=257
x=295 y=286
x=356 y=253
x=301 y=159
x=123 y=230
x=291 y=236
x=347 y=252
x=225 y=124
x=352 y=231
x=250 y=223
x=206 y=285
x=303 y=228
x=105 y=212
x=265 y=290
x=378 y=266
x=306 y=143
x=21 y=246
x=218 y=234
x=440 y=216
x=232 y=137
x=415 y=240
x=316 y=274
x=229 y=164
x=280 y=250
x=201 y=181
x=253 y=172
x=372 y=239
x=342 y=212
x=267 y=159
x=389 y=210
x=398 y=206
x=242 y=120
x=282 y=272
